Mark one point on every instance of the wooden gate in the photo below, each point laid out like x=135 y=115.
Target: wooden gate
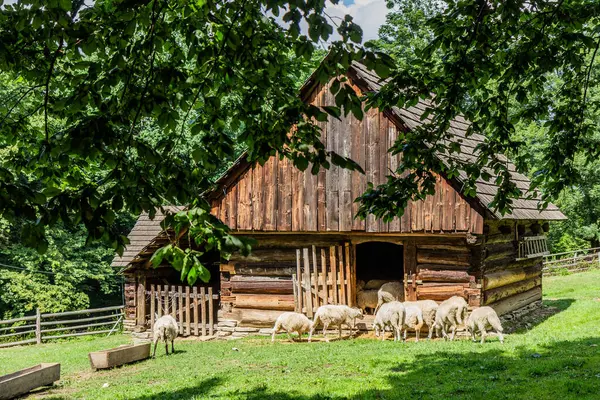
x=193 y=308
x=324 y=276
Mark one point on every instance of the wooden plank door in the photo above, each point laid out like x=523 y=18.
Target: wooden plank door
x=328 y=279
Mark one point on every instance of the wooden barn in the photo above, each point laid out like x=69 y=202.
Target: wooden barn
x=312 y=251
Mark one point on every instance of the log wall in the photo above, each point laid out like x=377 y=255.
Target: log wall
x=507 y=282
x=446 y=270
x=278 y=197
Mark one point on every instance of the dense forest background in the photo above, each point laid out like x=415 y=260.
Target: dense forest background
x=75 y=274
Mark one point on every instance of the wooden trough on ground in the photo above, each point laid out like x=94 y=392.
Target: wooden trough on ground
x=124 y=354
x=21 y=382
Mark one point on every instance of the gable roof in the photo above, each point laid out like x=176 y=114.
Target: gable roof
x=144 y=233
x=523 y=208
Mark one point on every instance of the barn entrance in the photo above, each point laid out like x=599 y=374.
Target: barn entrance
x=378 y=263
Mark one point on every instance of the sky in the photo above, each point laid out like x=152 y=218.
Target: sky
x=368 y=14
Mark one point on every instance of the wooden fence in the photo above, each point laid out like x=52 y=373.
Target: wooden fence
x=193 y=308
x=576 y=260
x=48 y=326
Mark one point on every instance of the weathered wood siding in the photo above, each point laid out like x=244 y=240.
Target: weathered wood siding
x=443 y=268
x=279 y=197
x=507 y=283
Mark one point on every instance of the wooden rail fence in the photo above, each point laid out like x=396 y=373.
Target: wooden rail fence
x=576 y=260
x=193 y=308
x=48 y=326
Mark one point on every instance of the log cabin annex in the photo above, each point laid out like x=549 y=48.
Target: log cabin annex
x=312 y=251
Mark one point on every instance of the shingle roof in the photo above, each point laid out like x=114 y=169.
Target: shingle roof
x=144 y=232
x=523 y=208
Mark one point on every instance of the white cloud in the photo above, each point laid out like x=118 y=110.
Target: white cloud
x=368 y=14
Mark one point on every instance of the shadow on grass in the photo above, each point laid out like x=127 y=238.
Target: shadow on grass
x=528 y=321
x=565 y=370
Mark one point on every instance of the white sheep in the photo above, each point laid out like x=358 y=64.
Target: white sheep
x=429 y=309
x=484 y=318
x=389 y=314
x=450 y=314
x=413 y=319
x=390 y=291
x=336 y=315
x=367 y=299
x=291 y=322
x=165 y=329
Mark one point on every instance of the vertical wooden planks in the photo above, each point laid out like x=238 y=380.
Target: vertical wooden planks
x=167 y=300
x=141 y=301
x=188 y=328
x=180 y=298
x=325 y=292
x=394 y=225
x=372 y=159
x=297 y=199
x=232 y=203
x=310 y=201
x=384 y=124
x=333 y=274
x=258 y=187
x=450 y=201
x=349 y=275
x=315 y=272
x=342 y=277
x=196 y=313
x=306 y=285
x=270 y=222
x=359 y=181
x=284 y=196
x=345 y=175
x=203 y=309
x=322 y=175
x=299 y=279
x=437 y=206
x=174 y=302
x=244 y=221
x=211 y=312
x=152 y=306
x=159 y=301
x=332 y=177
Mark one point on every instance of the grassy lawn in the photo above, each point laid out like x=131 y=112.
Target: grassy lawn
x=558 y=358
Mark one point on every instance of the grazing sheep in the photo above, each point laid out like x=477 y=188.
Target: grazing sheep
x=389 y=314
x=291 y=322
x=413 y=319
x=376 y=283
x=165 y=329
x=483 y=318
x=428 y=308
x=336 y=315
x=360 y=285
x=450 y=313
x=390 y=291
x=367 y=299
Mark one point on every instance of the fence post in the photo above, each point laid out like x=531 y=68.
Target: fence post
x=38 y=326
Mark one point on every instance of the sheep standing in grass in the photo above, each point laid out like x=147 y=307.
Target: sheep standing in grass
x=450 y=313
x=367 y=299
x=165 y=329
x=390 y=291
x=336 y=315
x=389 y=314
x=429 y=309
x=484 y=318
x=413 y=319
x=291 y=322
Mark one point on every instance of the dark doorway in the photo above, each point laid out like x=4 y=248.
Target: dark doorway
x=379 y=260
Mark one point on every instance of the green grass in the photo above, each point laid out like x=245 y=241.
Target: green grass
x=559 y=358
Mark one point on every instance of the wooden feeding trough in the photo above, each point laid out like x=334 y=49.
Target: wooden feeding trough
x=21 y=382
x=124 y=354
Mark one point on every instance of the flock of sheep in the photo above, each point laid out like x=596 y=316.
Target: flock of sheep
x=398 y=316
x=389 y=313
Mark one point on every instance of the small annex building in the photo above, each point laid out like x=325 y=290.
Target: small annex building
x=312 y=251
